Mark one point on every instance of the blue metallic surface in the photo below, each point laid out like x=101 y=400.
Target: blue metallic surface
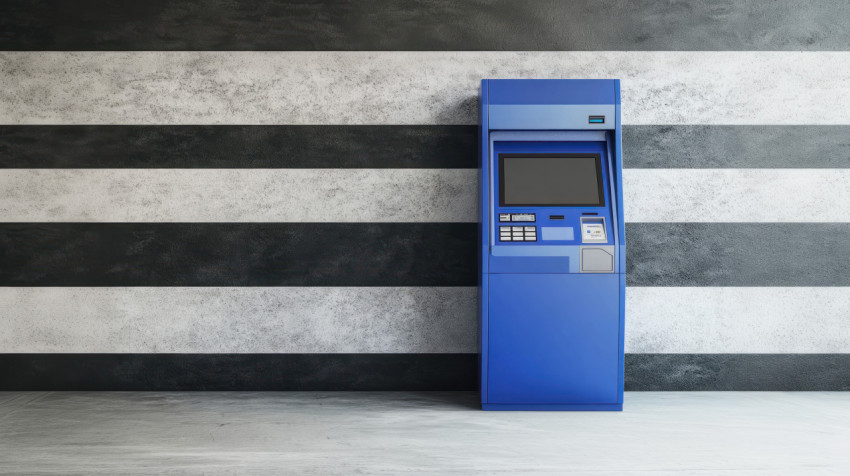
x=551 y=337
x=483 y=234
x=552 y=91
x=557 y=233
x=552 y=407
x=540 y=117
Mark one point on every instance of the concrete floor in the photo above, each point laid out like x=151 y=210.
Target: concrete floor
x=419 y=433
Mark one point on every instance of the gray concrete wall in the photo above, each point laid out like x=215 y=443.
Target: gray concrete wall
x=187 y=191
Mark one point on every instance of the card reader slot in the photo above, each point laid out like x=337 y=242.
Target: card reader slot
x=556 y=217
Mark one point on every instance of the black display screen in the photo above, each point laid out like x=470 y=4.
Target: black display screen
x=559 y=180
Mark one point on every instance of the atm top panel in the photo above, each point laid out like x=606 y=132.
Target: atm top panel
x=552 y=91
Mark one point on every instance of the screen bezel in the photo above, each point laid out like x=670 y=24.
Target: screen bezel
x=599 y=186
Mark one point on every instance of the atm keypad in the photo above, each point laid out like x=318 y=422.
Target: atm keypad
x=505 y=233
x=517 y=233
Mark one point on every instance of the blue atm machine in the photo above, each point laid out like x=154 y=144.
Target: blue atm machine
x=552 y=245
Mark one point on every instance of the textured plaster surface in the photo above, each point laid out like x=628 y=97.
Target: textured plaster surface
x=238 y=195
x=737 y=195
x=744 y=146
x=737 y=254
x=738 y=372
x=399 y=195
x=738 y=320
x=222 y=320
x=238 y=254
x=238 y=146
x=427 y=25
x=409 y=87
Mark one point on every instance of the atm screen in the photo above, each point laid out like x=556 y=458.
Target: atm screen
x=550 y=180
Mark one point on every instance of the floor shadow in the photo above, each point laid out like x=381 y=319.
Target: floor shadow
x=457 y=399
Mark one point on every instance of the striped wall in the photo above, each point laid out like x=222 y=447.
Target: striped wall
x=281 y=195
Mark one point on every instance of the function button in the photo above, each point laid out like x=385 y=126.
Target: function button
x=504 y=217
x=523 y=217
x=505 y=238
x=517 y=228
x=531 y=228
x=530 y=237
x=504 y=228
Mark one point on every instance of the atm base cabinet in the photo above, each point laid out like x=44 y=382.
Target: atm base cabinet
x=553 y=342
x=614 y=407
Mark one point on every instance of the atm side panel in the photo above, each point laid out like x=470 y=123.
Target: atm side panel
x=483 y=238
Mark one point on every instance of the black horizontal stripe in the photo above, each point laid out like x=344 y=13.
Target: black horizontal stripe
x=397 y=254
x=232 y=146
x=738 y=254
x=719 y=146
x=237 y=254
x=238 y=371
x=650 y=372
x=424 y=25
x=388 y=146
x=742 y=372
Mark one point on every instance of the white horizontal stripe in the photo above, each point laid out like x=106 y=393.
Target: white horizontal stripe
x=404 y=320
x=738 y=320
x=398 y=195
x=261 y=320
x=238 y=195
x=682 y=87
x=737 y=195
